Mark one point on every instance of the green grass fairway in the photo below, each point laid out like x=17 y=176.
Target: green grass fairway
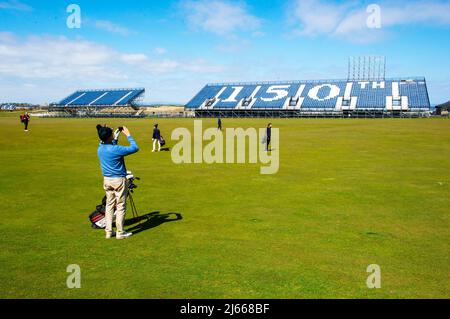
x=349 y=193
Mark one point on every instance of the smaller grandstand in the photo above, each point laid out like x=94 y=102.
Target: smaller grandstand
x=7 y=107
x=103 y=98
x=101 y=103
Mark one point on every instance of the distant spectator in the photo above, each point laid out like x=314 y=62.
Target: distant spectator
x=268 y=136
x=25 y=119
x=156 y=138
x=219 y=124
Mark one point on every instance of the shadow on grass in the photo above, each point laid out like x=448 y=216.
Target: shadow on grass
x=150 y=221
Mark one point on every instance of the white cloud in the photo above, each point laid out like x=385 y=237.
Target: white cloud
x=316 y=17
x=258 y=34
x=48 y=57
x=38 y=68
x=112 y=27
x=6 y=36
x=233 y=45
x=423 y=12
x=203 y=66
x=160 y=51
x=348 y=20
x=219 y=16
x=14 y=5
x=159 y=67
x=134 y=58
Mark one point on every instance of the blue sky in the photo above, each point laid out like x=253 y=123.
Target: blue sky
x=173 y=48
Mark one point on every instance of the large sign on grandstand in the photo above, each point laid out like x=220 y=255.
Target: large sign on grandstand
x=393 y=94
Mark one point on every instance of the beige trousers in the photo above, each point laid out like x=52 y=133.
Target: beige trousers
x=154 y=145
x=116 y=199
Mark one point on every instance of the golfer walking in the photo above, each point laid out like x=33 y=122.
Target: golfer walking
x=268 y=136
x=156 y=138
x=112 y=162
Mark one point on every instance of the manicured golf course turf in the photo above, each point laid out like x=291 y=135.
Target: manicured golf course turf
x=349 y=193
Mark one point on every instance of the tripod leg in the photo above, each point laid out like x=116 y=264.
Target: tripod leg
x=133 y=208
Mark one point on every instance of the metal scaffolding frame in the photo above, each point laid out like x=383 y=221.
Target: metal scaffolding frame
x=325 y=113
x=367 y=68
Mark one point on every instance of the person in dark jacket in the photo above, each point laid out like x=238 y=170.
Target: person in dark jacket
x=156 y=138
x=219 y=124
x=25 y=119
x=268 y=136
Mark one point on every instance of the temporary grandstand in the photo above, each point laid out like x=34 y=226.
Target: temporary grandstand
x=7 y=107
x=102 y=103
x=365 y=93
x=324 y=98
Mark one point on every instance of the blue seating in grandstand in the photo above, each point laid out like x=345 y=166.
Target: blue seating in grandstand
x=416 y=91
x=323 y=94
x=206 y=93
x=70 y=98
x=274 y=103
x=109 y=98
x=369 y=95
x=100 y=98
x=86 y=98
x=8 y=107
x=244 y=93
x=130 y=97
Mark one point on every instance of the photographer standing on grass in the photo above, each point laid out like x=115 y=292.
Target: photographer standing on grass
x=114 y=172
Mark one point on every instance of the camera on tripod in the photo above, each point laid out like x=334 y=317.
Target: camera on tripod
x=130 y=181
x=131 y=186
x=97 y=218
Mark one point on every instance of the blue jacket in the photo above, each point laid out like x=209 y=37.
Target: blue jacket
x=156 y=134
x=112 y=156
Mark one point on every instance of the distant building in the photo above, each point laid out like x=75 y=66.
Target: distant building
x=443 y=109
